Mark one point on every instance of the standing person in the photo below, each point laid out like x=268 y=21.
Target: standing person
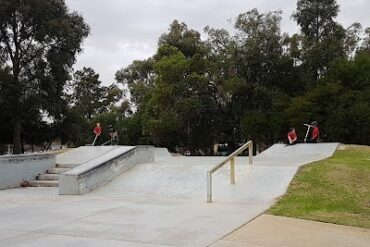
x=97 y=132
x=315 y=133
x=113 y=135
x=292 y=136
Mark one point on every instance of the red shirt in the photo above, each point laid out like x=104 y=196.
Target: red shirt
x=97 y=131
x=315 y=133
x=292 y=135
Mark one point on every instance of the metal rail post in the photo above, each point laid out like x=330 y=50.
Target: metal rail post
x=209 y=187
x=250 y=154
x=232 y=171
x=230 y=158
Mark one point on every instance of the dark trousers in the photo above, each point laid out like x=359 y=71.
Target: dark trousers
x=316 y=140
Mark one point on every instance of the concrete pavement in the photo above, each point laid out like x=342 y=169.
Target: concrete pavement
x=276 y=231
x=156 y=204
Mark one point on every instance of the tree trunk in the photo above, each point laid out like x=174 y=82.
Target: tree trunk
x=17 y=136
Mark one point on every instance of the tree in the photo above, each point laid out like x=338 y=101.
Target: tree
x=352 y=40
x=232 y=87
x=87 y=93
x=5 y=127
x=316 y=17
x=139 y=78
x=90 y=102
x=180 y=36
x=322 y=37
x=339 y=102
x=264 y=72
x=366 y=41
x=39 y=39
x=175 y=98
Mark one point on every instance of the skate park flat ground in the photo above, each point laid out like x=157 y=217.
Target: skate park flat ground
x=155 y=204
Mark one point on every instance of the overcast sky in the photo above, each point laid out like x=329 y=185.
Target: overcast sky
x=127 y=30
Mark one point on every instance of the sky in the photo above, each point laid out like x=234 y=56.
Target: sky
x=126 y=30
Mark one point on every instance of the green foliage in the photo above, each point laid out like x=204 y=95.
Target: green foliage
x=254 y=84
x=316 y=17
x=89 y=97
x=352 y=40
x=175 y=97
x=339 y=102
x=322 y=38
x=366 y=41
x=139 y=78
x=39 y=41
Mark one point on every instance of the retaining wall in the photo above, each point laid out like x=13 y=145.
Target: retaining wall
x=16 y=168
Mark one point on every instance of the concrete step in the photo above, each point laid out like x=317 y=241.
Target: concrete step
x=47 y=176
x=66 y=165
x=57 y=170
x=44 y=183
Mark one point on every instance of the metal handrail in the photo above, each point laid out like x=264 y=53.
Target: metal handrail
x=249 y=146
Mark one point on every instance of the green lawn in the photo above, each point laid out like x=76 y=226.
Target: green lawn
x=335 y=190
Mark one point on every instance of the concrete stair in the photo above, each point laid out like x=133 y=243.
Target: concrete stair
x=44 y=183
x=57 y=170
x=65 y=166
x=51 y=177
x=47 y=176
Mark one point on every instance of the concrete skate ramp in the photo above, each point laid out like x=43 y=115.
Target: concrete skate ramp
x=312 y=149
x=161 y=203
x=100 y=167
x=295 y=155
x=162 y=154
x=83 y=154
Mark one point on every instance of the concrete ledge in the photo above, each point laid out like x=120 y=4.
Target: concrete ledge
x=95 y=173
x=16 y=168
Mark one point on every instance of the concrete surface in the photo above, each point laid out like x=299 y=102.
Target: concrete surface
x=16 y=168
x=162 y=203
x=162 y=154
x=101 y=170
x=83 y=154
x=295 y=155
x=268 y=230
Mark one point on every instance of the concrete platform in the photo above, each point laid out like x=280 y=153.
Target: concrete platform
x=157 y=204
x=268 y=230
x=84 y=154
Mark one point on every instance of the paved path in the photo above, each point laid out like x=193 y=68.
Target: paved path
x=276 y=231
x=157 y=204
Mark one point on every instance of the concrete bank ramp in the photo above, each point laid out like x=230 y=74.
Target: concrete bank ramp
x=83 y=154
x=312 y=149
x=295 y=155
x=162 y=154
x=96 y=166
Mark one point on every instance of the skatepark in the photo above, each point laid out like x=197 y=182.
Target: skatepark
x=160 y=202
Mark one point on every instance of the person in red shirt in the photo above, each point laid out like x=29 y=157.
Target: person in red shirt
x=292 y=136
x=315 y=133
x=97 y=132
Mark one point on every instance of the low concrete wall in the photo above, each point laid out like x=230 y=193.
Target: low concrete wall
x=16 y=168
x=93 y=174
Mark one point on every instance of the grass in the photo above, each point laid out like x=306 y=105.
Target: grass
x=335 y=190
